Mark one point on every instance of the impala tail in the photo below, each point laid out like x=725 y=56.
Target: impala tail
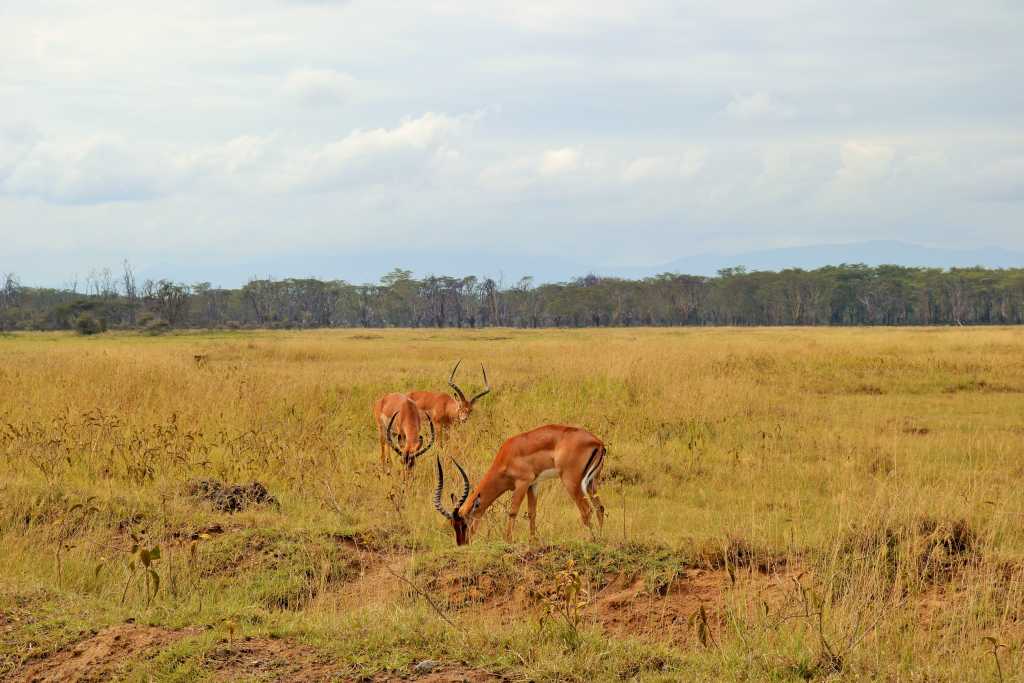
x=591 y=470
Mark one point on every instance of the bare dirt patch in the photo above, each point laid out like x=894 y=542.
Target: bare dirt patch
x=673 y=609
x=630 y=607
x=98 y=658
x=444 y=673
x=678 y=611
x=267 y=659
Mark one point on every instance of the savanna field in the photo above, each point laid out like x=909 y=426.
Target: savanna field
x=782 y=504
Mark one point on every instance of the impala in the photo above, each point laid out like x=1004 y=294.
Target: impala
x=573 y=455
x=447 y=410
x=393 y=408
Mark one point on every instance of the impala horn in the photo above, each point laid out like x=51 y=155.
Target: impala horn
x=432 y=435
x=440 y=486
x=487 y=387
x=437 y=491
x=451 y=383
x=391 y=443
x=465 y=484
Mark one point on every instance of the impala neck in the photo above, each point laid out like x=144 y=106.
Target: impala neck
x=486 y=492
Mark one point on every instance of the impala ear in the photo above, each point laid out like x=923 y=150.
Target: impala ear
x=453 y=498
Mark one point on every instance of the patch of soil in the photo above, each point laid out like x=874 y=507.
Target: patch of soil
x=378 y=583
x=626 y=605
x=230 y=497
x=267 y=659
x=444 y=673
x=99 y=657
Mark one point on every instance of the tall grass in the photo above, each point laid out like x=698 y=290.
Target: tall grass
x=870 y=479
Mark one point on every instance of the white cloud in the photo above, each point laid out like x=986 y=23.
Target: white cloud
x=241 y=164
x=319 y=86
x=376 y=155
x=547 y=16
x=105 y=169
x=651 y=168
x=863 y=162
x=757 y=106
x=94 y=170
x=672 y=122
x=558 y=161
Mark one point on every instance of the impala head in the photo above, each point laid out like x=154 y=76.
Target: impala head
x=411 y=444
x=466 y=404
x=459 y=523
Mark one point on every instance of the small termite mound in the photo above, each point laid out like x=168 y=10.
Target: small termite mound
x=226 y=497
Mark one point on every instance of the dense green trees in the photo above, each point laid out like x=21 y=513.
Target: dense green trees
x=834 y=295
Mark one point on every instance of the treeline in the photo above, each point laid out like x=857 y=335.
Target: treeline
x=835 y=295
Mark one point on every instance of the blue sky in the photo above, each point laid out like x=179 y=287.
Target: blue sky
x=204 y=134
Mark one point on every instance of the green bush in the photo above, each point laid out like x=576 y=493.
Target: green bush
x=87 y=324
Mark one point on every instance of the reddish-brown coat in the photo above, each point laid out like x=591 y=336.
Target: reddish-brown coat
x=407 y=424
x=569 y=453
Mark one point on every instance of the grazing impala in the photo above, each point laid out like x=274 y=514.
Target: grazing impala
x=444 y=409
x=398 y=408
x=573 y=455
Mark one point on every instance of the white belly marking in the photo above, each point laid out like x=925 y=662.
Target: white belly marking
x=547 y=474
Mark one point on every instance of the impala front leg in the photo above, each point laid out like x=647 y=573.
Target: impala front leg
x=517 y=500
x=383 y=451
x=531 y=502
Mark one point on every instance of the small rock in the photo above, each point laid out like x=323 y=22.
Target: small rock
x=426 y=666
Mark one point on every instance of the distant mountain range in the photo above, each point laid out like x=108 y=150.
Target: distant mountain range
x=369 y=266
x=874 y=253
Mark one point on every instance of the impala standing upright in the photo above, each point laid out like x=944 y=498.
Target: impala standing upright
x=571 y=454
x=448 y=410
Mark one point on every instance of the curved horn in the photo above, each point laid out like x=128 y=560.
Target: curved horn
x=437 y=491
x=391 y=443
x=432 y=435
x=451 y=381
x=465 y=484
x=487 y=387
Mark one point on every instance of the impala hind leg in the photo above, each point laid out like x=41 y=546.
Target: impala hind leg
x=572 y=486
x=595 y=499
x=598 y=506
x=588 y=485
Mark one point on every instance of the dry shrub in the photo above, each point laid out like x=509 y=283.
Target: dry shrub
x=882 y=464
x=913 y=553
x=624 y=474
x=737 y=553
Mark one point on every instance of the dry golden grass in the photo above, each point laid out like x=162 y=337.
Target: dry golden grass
x=783 y=504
